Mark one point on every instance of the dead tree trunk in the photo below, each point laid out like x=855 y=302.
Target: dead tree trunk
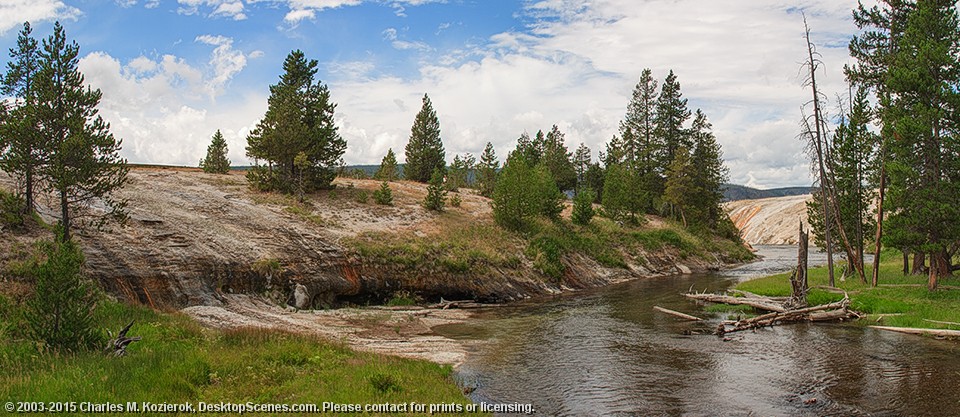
x=798 y=281
x=816 y=137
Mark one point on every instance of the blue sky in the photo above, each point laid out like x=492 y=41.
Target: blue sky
x=173 y=72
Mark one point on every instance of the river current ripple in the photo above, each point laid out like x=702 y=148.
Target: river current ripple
x=606 y=352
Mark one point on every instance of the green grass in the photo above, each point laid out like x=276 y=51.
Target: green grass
x=458 y=244
x=905 y=295
x=178 y=361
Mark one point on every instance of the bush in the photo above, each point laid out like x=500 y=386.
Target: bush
x=383 y=196
x=402 y=298
x=583 y=207
x=60 y=314
x=436 y=195
x=361 y=196
x=11 y=211
x=456 y=201
x=383 y=383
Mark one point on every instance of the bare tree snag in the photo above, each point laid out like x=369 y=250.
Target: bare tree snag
x=816 y=138
x=118 y=346
x=798 y=280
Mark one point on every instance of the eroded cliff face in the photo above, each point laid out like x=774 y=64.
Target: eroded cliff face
x=193 y=237
x=770 y=221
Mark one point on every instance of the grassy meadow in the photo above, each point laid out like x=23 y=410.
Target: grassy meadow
x=900 y=300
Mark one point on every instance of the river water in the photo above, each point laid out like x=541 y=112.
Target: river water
x=607 y=352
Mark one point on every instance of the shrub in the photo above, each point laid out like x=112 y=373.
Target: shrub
x=383 y=383
x=383 y=196
x=361 y=196
x=60 y=314
x=436 y=195
x=402 y=298
x=583 y=207
x=11 y=211
x=455 y=201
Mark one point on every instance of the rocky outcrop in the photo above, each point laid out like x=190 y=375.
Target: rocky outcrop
x=769 y=221
x=193 y=238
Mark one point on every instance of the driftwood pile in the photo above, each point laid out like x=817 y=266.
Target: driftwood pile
x=778 y=312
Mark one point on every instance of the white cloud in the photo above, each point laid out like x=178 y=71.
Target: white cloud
x=577 y=62
x=295 y=16
x=390 y=34
x=166 y=109
x=14 y=12
x=126 y=3
x=224 y=61
x=233 y=9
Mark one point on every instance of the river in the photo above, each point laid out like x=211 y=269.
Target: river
x=607 y=352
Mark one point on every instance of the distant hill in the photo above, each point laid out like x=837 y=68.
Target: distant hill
x=733 y=192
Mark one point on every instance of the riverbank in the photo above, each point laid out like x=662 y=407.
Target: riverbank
x=193 y=238
x=899 y=301
x=180 y=361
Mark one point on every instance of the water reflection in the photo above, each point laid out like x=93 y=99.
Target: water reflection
x=606 y=352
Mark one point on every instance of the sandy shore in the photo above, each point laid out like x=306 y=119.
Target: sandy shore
x=407 y=333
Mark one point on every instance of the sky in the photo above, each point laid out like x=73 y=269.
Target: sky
x=174 y=72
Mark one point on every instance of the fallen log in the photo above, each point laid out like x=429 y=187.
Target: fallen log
x=760 y=303
x=826 y=312
x=677 y=314
x=921 y=332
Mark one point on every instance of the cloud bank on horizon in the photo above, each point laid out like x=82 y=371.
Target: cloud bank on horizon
x=172 y=73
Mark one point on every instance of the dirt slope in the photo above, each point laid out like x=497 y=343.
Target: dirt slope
x=770 y=221
x=193 y=238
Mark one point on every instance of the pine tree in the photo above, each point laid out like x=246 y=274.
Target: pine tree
x=83 y=164
x=594 y=178
x=216 y=161
x=388 y=167
x=487 y=171
x=709 y=173
x=620 y=199
x=424 y=151
x=60 y=313
x=299 y=119
x=459 y=173
x=384 y=195
x=874 y=49
x=679 y=192
x=581 y=163
x=524 y=192
x=436 y=194
x=924 y=160
x=511 y=199
x=557 y=159
x=583 y=206
x=638 y=128
x=527 y=149
x=21 y=146
x=671 y=115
